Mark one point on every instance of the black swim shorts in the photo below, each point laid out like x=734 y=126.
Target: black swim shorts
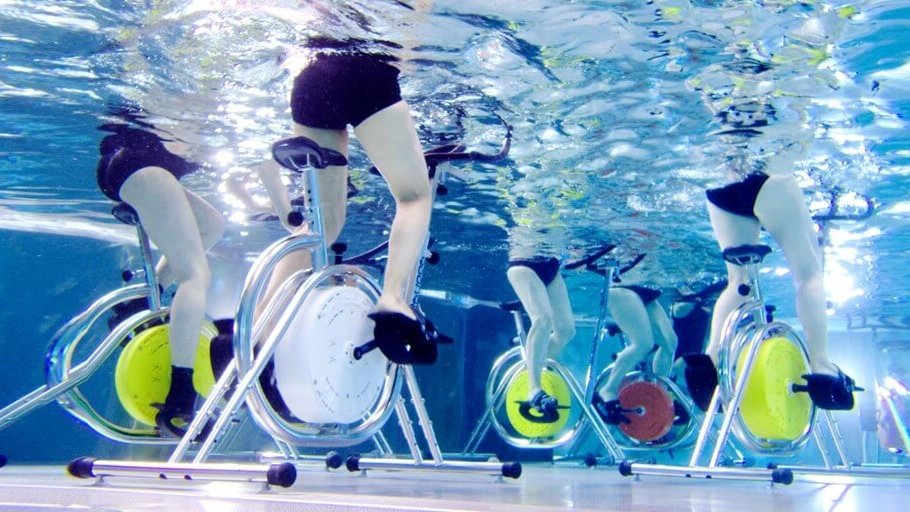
x=337 y=90
x=131 y=149
x=546 y=267
x=647 y=295
x=739 y=198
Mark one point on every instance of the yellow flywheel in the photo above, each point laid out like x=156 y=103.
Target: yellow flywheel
x=143 y=373
x=769 y=409
x=525 y=420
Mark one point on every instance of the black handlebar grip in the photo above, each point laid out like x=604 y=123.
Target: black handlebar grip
x=339 y=247
x=295 y=218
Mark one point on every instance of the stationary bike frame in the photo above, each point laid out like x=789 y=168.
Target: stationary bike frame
x=64 y=375
x=746 y=328
x=509 y=364
x=248 y=365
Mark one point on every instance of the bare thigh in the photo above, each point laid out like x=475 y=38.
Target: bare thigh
x=531 y=291
x=782 y=210
x=167 y=217
x=732 y=230
x=390 y=140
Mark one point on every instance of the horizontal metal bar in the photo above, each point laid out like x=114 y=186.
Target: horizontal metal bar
x=857 y=471
x=506 y=469
x=778 y=475
x=282 y=475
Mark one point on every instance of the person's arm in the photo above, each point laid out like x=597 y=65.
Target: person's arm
x=270 y=175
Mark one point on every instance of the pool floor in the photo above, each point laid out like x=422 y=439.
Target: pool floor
x=541 y=487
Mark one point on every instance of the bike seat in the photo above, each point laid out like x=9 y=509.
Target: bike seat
x=746 y=254
x=299 y=152
x=125 y=214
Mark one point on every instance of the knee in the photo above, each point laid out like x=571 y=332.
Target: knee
x=636 y=351
x=807 y=274
x=197 y=274
x=564 y=332
x=416 y=193
x=542 y=323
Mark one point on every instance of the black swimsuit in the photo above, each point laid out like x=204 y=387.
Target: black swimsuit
x=131 y=149
x=546 y=267
x=647 y=295
x=739 y=198
x=339 y=89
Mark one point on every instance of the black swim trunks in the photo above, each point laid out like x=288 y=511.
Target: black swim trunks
x=131 y=149
x=546 y=267
x=739 y=198
x=337 y=90
x=647 y=295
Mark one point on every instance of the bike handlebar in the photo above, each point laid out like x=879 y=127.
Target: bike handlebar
x=589 y=262
x=589 y=259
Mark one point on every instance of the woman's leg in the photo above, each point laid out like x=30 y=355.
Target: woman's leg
x=390 y=140
x=730 y=230
x=630 y=315
x=782 y=210
x=563 y=318
x=332 y=202
x=664 y=337
x=211 y=229
x=168 y=218
x=536 y=301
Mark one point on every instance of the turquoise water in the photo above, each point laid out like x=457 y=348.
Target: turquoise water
x=616 y=108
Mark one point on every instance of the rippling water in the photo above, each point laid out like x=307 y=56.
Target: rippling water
x=622 y=114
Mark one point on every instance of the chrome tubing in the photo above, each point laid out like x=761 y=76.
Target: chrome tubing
x=282 y=475
x=306 y=433
x=497 y=469
x=248 y=336
x=63 y=378
x=773 y=476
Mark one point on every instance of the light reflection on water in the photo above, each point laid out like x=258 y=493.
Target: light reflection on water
x=616 y=108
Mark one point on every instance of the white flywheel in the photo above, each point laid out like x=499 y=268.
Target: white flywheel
x=315 y=370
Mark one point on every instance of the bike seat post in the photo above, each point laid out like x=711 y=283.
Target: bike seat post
x=317 y=225
x=750 y=257
x=148 y=264
x=313 y=212
x=755 y=292
x=601 y=329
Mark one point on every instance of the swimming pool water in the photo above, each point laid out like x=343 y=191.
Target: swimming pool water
x=614 y=106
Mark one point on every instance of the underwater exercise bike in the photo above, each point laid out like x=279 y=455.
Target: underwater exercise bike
x=765 y=405
x=338 y=390
x=509 y=414
x=656 y=413
x=108 y=328
x=851 y=206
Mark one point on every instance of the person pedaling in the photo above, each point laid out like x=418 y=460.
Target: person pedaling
x=611 y=411
x=827 y=391
x=135 y=148
x=401 y=339
x=541 y=407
